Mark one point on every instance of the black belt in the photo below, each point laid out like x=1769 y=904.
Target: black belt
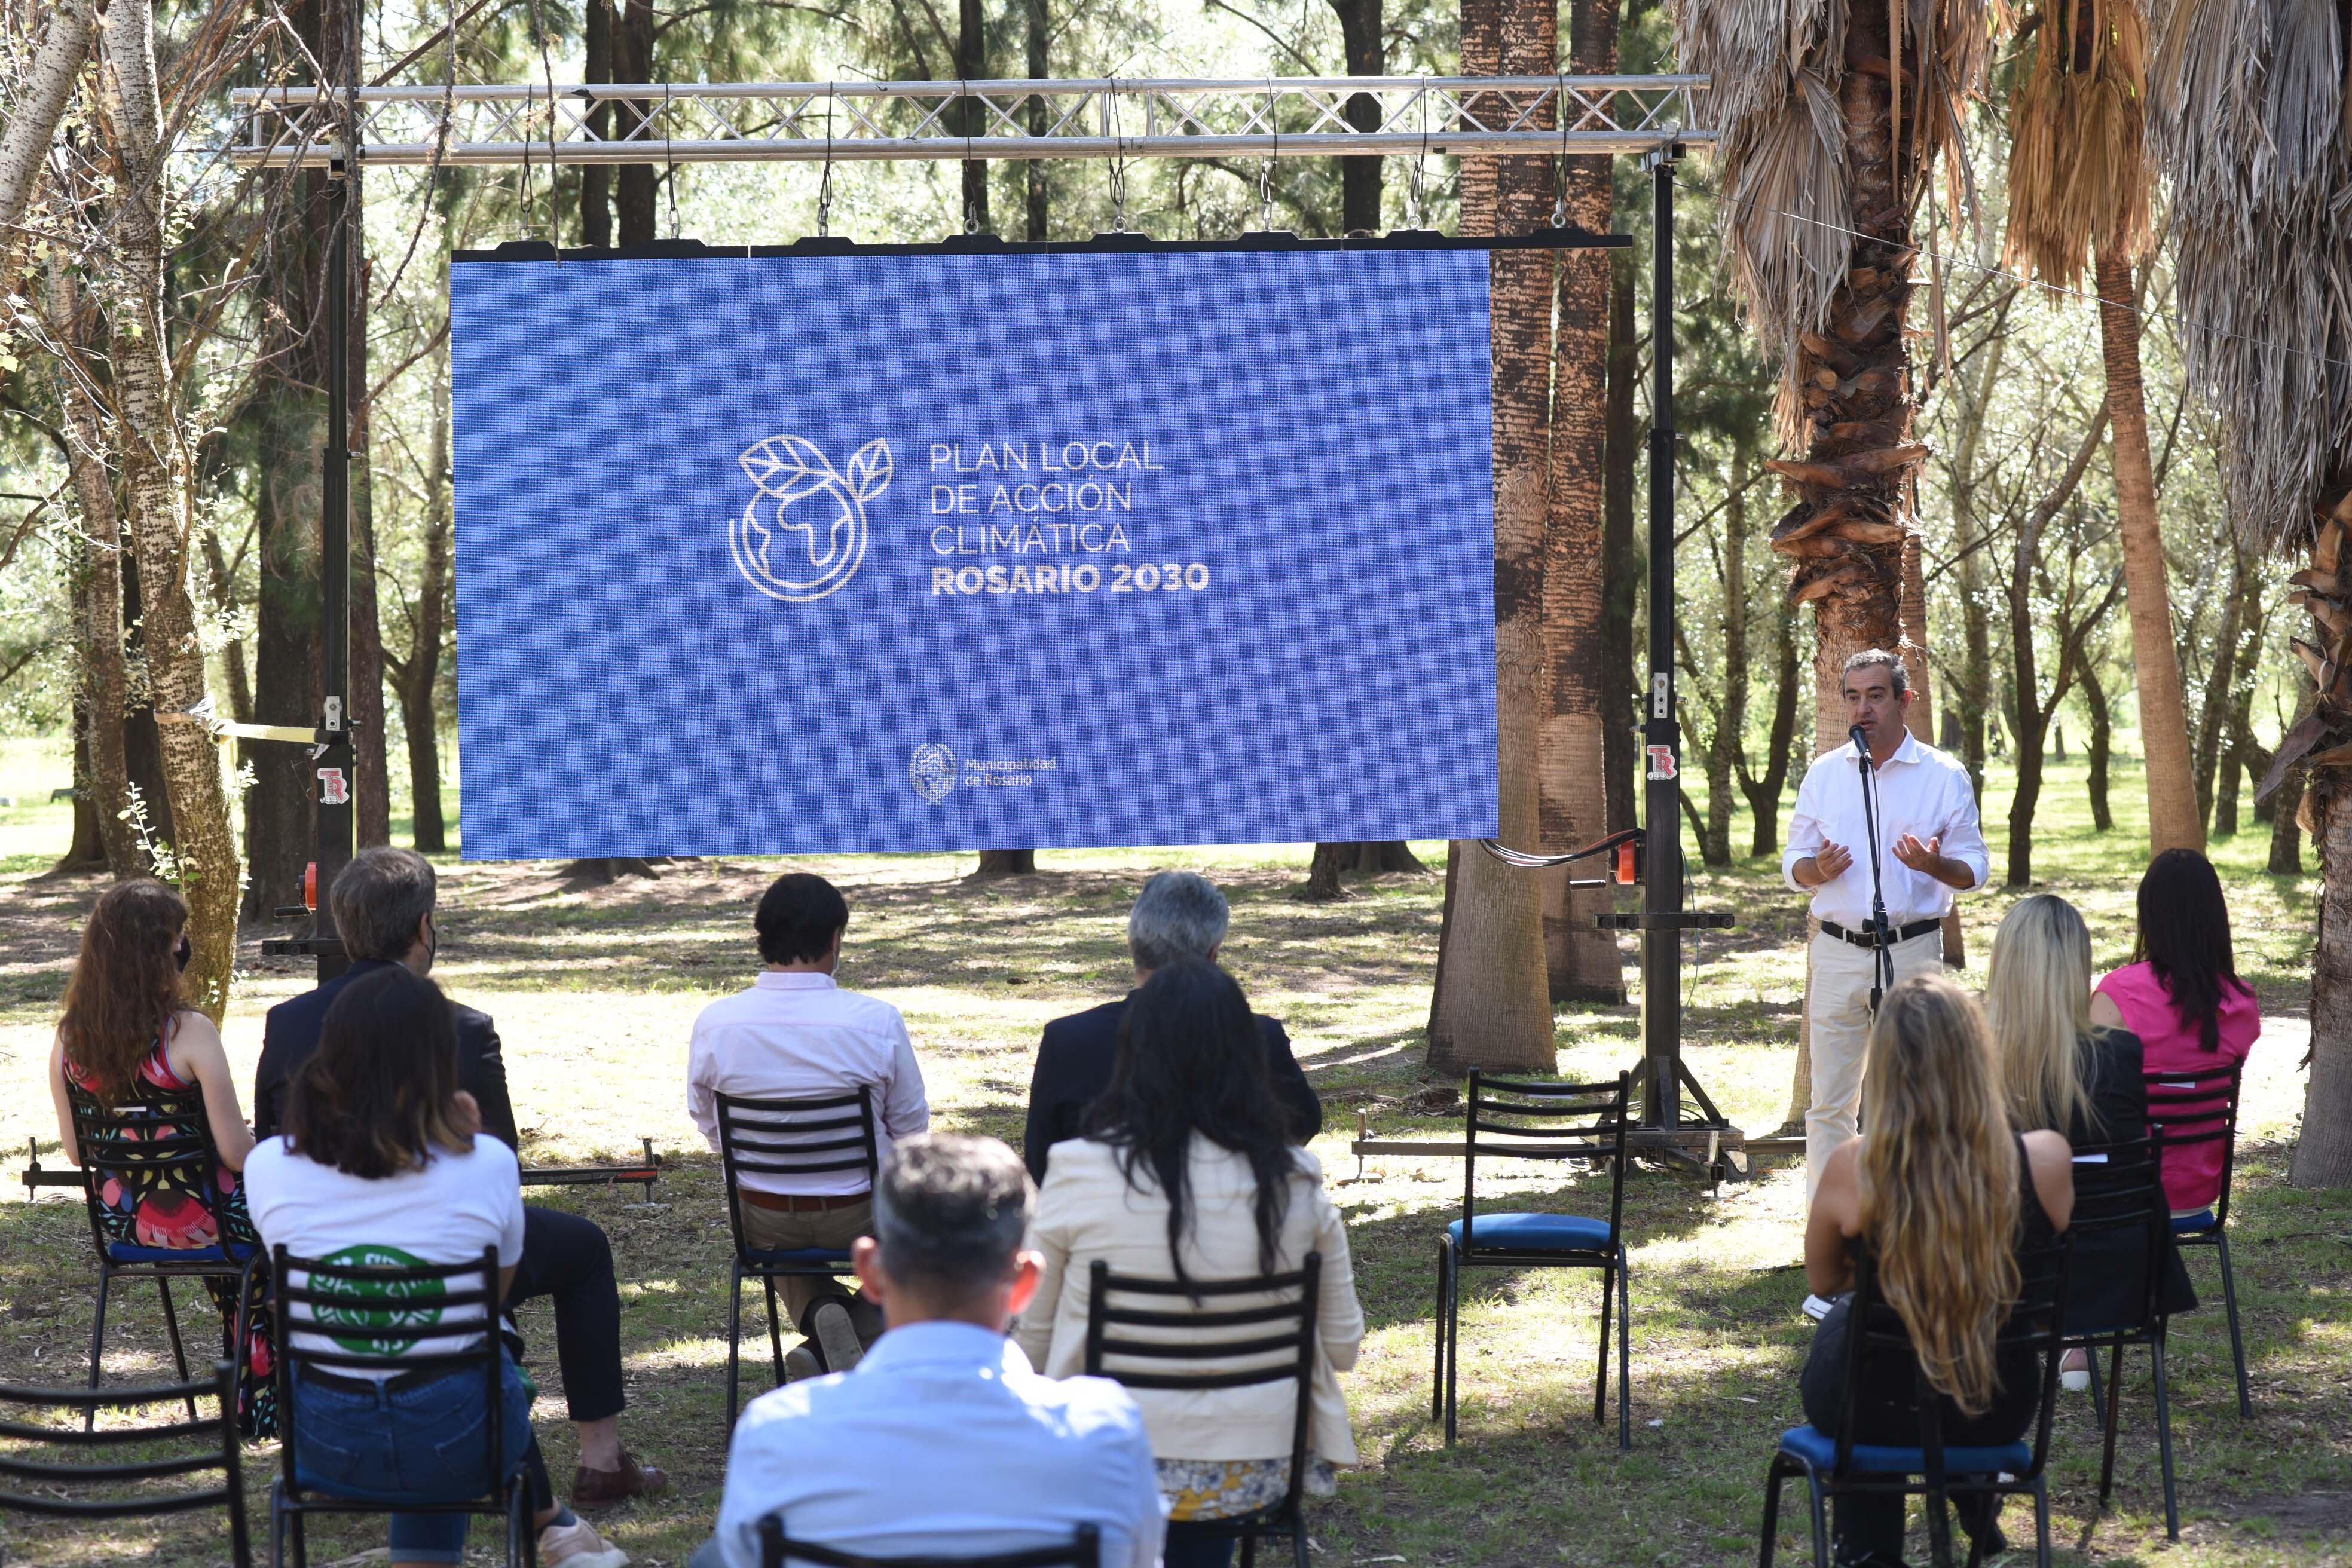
x=399 y=1382
x=1864 y=939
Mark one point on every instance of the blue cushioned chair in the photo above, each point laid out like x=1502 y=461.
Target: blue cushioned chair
x=2116 y=1190
x=785 y=1138
x=1876 y=1341
x=160 y=1138
x=1539 y=1122
x=2202 y=1108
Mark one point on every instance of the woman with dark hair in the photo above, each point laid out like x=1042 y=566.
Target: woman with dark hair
x=1187 y=1172
x=378 y=1164
x=129 y=1046
x=2181 y=995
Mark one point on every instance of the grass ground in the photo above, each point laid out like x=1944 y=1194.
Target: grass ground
x=594 y=994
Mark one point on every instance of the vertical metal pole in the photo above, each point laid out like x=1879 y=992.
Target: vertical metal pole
x=1662 y=891
x=333 y=767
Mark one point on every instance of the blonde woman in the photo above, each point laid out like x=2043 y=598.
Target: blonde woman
x=1945 y=1195
x=2061 y=1072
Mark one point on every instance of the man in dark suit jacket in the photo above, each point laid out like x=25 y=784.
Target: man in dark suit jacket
x=383 y=905
x=1179 y=915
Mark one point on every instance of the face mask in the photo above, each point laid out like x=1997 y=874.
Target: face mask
x=187 y=951
x=432 y=942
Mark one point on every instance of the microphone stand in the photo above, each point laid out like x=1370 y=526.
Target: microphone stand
x=1881 y=959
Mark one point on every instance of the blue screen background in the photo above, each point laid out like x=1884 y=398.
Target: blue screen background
x=1321 y=423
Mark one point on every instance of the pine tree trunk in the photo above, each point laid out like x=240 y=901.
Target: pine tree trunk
x=1362 y=46
x=420 y=672
x=972 y=65
x=98 y=618
x=1034 y=11
x=633 y=63
x=597 y=178
x=2174 y=817
x=1489 y=1007
x=153 y=461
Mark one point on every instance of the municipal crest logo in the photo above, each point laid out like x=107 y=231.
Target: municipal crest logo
x=802 y=536
x=372 y=1329
x=932 y=772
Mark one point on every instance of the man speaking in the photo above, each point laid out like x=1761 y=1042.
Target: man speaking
x=1929 y=843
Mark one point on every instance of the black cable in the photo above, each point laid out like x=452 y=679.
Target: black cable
x=1527 y=862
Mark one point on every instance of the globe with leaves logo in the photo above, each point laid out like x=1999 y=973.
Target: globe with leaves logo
x=380 y=1307
x=802 y=536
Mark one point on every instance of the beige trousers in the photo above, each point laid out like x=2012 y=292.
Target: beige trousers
x=773 y=1229
x=1837 y=995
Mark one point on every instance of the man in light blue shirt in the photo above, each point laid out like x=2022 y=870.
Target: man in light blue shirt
x=943 y=1440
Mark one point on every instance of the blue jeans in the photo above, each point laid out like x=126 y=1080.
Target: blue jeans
x=420 y=1444
x=1184 y=1549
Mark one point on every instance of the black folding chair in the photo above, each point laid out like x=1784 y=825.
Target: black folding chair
x=205 y=1444
x=1567 y=1121
x=2191 y=1109
x=163 y=1131
x=776 y=1548
x=786 y=1138
x=2118 y=1193
x=351 y=1302
x=1281 y=1351
x=1840 y=1467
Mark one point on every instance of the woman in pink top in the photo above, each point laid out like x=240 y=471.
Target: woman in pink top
x=2183 y=996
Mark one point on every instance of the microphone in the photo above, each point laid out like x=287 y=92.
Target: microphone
x=1861 y=743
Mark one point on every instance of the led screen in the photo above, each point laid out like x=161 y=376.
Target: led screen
x=795 y=554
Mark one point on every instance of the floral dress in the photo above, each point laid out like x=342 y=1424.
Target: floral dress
x=171 y=1208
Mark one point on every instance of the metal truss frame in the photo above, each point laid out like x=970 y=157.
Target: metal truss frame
x=860 y=123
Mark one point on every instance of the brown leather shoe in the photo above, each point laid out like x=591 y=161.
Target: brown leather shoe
x=592 y=1490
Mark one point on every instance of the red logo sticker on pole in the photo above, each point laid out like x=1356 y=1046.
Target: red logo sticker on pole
x=334 y=791
x=1662 y=761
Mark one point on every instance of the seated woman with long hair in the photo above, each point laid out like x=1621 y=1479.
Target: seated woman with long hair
x=1947 y=1196
x=2062 y=1071
x=130 y=1047
x=379 y=1163
x=1187 y=1172
x=2182 y=996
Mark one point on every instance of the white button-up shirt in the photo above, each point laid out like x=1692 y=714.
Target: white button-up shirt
x=798 y=1036
x=1920 y=791
x=942 y=1440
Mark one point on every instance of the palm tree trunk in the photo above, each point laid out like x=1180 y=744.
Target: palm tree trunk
x=2323 y=1154
x=153 y=460
x=2174 y=819
x=1489 y=1007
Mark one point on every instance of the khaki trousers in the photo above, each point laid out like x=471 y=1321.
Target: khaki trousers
x=1837 y=995
x=773 y=1229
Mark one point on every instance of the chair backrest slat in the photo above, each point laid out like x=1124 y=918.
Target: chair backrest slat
x=755 y=1137
x=2192 y=1108
x=1595 y=1115
x=1084 y=1550
x=486 y=1356
x=1296 y=1346
x=47 y=1482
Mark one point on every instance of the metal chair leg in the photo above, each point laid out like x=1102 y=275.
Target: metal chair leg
x=1601 y=1378
x=2040 y=1523
x=2115 y=1403
x=1453 y=1347
x=1437 y=1335
x=1821 y=1520
x=2098 y=1393
x=2237 y=1336
x=276 y=1527
x=172 y=1330
x=1772 y=1479
x=775 y=1331
x=97 y=1344
x=1940 y=1530
x=2164 y=1439
x=1249 y=1549
x=734 y=1341
x=1624 y=1354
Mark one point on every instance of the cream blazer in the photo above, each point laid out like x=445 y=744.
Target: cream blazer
x=1087 y=1211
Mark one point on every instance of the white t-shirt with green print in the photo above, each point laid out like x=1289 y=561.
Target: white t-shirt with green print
x=446 y=1213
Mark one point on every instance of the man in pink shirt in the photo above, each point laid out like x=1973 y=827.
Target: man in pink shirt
x=796 y=1035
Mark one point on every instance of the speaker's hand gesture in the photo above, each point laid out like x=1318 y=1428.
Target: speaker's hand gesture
x=1829 y=862
x=1919 y=856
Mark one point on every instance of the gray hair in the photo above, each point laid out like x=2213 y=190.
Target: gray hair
x=379 y=899
x=1898 y=676
x=949 y=1212
x=1179 y=915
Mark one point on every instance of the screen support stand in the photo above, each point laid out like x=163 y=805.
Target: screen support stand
x=1662 y=920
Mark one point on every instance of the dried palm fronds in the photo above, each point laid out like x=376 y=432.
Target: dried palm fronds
x=2078 y=173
